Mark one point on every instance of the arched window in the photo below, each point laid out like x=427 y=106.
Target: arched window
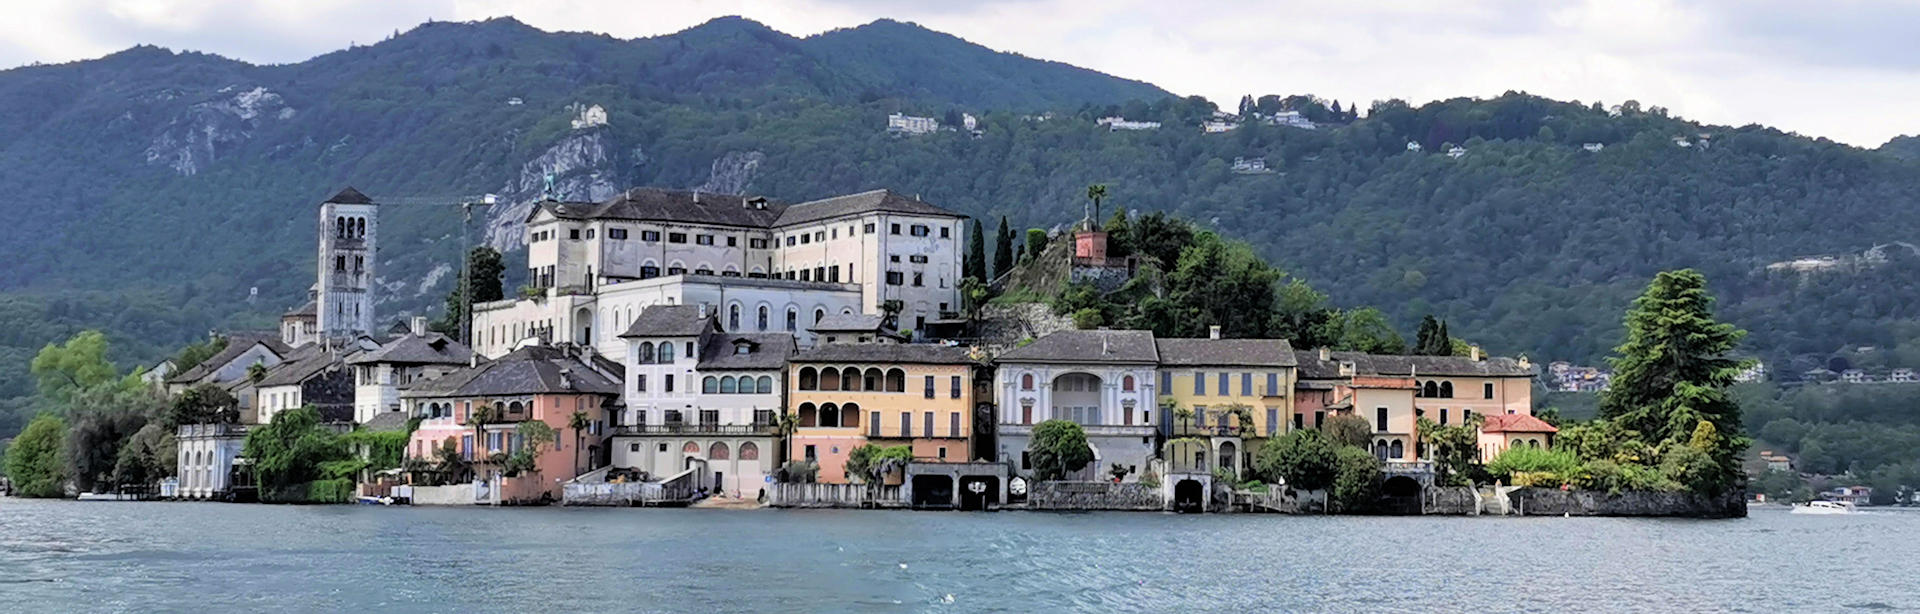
x=666 y=352
x=1126 y=384
x=710 y=385
x=819 y=314
x=809 y=379
x=646 y=352
x=728 y=385
x=748 y=451
x=1533 y=443
x=850 y=415
x=763 y=317
x=808 y=415
x=896 y=380
x=871 y=380
x=733 y=318
x=850 y=379
x=765 y=385
x=1446 y=390
x=1026 y=382
x=1396 y=449
x=690 y=448
x=515 y=407
x=1429 y=390
x=718 y=451
x=793 y=319
x=829 y=379
x=830 y=415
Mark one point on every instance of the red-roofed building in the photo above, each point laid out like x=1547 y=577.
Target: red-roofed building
x=1502 y=431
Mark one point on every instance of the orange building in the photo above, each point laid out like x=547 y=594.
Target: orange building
x=846 y=396
x=1393 y=392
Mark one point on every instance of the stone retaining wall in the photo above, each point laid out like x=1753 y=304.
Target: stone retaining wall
x=833 y=495
x=1089 y=496
x=1553 y=502
x=1451 y=500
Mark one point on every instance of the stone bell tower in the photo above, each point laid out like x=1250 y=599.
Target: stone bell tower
x=348 y=232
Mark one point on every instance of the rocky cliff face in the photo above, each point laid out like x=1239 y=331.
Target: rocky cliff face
x=205 y=131
x=584 y=168
x=733 y=173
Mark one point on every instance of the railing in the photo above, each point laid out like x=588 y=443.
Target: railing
x=1091 y=429
x=212 y=430
x=698 y=429
x=1399 y=467
x=1214 y=430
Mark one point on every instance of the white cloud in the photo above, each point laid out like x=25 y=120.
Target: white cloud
x=1843 y=71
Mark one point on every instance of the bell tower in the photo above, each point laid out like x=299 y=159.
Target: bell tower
x=348 y=232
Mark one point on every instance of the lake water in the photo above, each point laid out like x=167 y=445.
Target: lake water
x=61 y=556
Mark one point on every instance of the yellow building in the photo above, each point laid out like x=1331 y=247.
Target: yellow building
x=1204 y=382
x=846 y=396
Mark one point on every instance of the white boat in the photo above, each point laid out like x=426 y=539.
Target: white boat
x=1823 y=507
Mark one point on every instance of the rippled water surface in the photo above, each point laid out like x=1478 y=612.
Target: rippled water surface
x=58 y=556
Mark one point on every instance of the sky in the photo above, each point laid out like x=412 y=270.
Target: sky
x=1842 y=69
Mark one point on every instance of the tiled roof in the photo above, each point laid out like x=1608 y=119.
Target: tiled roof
x=1088 y=346
x=297 y=370
x=864 y=202
x=769 y=351
x=528 y=370
x=849 y=322
x=387 y=421
x=237 y=344
x=429 y=349
x=1225 y=352
x=1516 y=423
x=307 y=309
x=658 y=205
x=670 y=321
x=350 y=196
x=905 y=353
x=1311 y=367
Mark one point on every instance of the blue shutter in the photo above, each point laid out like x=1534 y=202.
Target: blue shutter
x=1246 y=384
x=1222 y=387
x=1273 y=420
x=1273 y=384
x=1200 y=383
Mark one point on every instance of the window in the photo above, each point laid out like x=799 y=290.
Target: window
x=634 y=447
x=1273 y=420
x=895 y=229
x=1222 y=385
x=1200 y=383
x=833 y=273
x=650 y=235
x=619 y=234
x=929 y=386
x=790 y=241
x=764 y=385
x=1380 y=419
x=589 y=233
x=1200 y=415
x=805 y=239
x=919 y=230
x=641 y=381
x=926 y=424
x=820 y=235
x=1246 y=384
x=1126 y=384
x=573 y=234
x=676 y=270
x=869 y=228
x=917 y=259
x=1443 y=416
x=753 y=243
x=1273 y=384
x=668 y=383
x=820 y=273
x=1487 y=390
x=818 y=315
x=709 y=385
x=733 y=242
x=894 y=278
x=1466 y=416
x=733 y=318
x=1166 y=382
x=1299 y=421
x=1446 y=390
x=812 y=453
x=649 y=271
x=762 y=322
x=906 y=424
x=793 y=319
x=666 y=355
x=918 y=280
x=943 y=232
x=676 y=237
x=809 y=379
x=806 y=275
x=703 y=239
x=1026 y=382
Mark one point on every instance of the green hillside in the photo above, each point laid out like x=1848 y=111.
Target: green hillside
x=153 y=191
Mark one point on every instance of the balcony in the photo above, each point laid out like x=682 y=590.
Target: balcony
x=1093 y=430
x=697 y=429
x=1211 y=430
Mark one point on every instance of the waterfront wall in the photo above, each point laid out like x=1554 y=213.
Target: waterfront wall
x=1452 y=501
x=833 y=495
x=1552 y=502
x=457 y=494
x=1087 y=496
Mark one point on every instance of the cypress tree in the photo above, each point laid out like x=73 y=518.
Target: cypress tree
x=1423 y=338
x=1671 y=375
x=976 y=262
x=1003 y=249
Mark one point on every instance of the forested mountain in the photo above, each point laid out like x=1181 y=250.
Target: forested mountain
x=151 y=191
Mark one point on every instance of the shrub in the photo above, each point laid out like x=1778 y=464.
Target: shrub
x=1348 y=429
x=1528 y=466
x=33 y=460
x=1357 y=481
x=1058 y=447
x=1088 y=319
x=1615 y=477
x=1303 y=459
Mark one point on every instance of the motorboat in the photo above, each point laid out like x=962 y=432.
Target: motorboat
x=1824 y=507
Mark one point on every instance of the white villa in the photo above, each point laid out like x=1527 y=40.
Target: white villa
x=1101 y=379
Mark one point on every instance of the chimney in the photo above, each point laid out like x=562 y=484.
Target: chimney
x=1347 y=369
x=1213 y=332
x=1524 y=363
x=419 y=326
x=696 y=197
x=1475 y=354
x=566 y=379
x=1326 y=353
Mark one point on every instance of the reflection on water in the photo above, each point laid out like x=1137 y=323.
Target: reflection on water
x=73 y=556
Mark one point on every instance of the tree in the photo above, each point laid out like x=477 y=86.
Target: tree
x=1003 y=255
x=195 y=353
x=487 y=269
x=975 y=266
x=1096 y=193
x=1348 y=429
x=1058 y=447
x=1356 y=482
x=289 y=451
x=33 y=459
x=151 y=454
x=1672 y=375
x=534 y=436
x=1222 y=282
x=1454 y=448
x=974 y=294
x=872 y=463
x=579 y=422
x=100 y=421
x=1432 y=339
x=1036 y=243
x=203 y=404
x=1303 y=459
x=63 y=370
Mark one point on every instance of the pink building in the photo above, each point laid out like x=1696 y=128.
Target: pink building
x=1393 y=392
x=533 y=384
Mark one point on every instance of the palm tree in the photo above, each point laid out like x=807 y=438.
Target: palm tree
x=578 y=422
x=1096 y=193
x=479 y=418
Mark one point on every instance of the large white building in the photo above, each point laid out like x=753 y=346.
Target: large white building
x=1100 y=379
x=760 y=266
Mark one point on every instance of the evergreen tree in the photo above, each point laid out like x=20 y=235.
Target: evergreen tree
x=487 y=270
x=1003 y=249
x=976 y=262
x=1672 y=374
x=1423 y=338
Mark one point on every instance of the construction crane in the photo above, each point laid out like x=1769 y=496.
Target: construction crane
x=466 y=205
